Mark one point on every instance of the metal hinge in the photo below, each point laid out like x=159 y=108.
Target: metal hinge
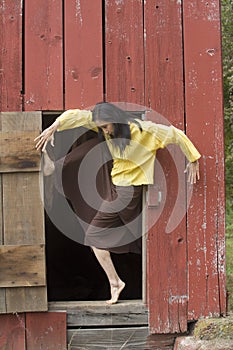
x=154 y=196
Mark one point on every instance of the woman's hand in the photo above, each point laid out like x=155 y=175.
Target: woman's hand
x=192 y=169
x=45 y=136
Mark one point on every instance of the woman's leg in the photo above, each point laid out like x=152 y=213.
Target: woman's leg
x=116 y=284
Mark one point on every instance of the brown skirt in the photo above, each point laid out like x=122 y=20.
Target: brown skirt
x=117 y=226
x=109 y=215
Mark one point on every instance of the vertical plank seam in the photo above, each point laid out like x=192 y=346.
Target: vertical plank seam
x=221 y=287
x=217 y=235
x=144 y=52
x=186 y=185
x=22 y=322
x=183 y=57
x=2 y=208
x=23 y=4
x=63 y=56
x=2 y=234
x=104 y=43
x=222 y=303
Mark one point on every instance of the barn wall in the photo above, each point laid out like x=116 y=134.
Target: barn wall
x=204 y=122
x=166 y=249
x=163 y=54
x=11 y=62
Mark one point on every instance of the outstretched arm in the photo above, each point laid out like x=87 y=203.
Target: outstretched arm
x=177 y=136
x=70 y=119
x=46 y=135
x=165 y=135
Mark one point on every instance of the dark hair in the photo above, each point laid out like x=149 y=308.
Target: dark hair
x=110 y=113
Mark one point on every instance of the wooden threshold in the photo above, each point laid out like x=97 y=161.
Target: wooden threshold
x=99 y=314
x=94 y=325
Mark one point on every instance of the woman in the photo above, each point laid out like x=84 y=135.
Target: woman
x=132 y=144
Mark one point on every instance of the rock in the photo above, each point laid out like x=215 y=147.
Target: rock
x=212 y=328
x=209 y=334
x=192 y=343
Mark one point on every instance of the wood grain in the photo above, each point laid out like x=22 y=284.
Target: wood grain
x=17 y=152
x=11 y=63
x=22 y=266
x=98 y=313
x=124 y=51
x=204 y=118
x=118 y=338
x=83 y=53
x=12 y=332
x=2 y=290
x=43 y=55
x=46 y=331
x=23 y=214
x=166 y=246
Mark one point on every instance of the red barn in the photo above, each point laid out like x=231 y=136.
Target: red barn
x=161 y=54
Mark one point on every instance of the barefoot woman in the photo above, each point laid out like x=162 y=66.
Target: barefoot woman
x=132 y=144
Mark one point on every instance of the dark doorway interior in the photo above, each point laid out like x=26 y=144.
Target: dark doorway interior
x=73 y=272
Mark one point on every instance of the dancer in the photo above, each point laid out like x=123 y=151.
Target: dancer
x=132 y=144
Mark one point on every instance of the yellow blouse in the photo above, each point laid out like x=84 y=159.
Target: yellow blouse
x=136 y=165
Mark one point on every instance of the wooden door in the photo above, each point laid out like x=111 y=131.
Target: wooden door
x=205 y=122
x=22 y=250
x=186 y=269
x=167 y=242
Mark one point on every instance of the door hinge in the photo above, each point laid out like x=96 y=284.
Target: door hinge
x=154 y=196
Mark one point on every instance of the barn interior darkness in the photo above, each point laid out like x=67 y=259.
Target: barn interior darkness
x=73 y=272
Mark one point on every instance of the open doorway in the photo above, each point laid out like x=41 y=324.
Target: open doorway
x=73 y=273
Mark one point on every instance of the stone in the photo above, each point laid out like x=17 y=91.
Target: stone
x=209 y=334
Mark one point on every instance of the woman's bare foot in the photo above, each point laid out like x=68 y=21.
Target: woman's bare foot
x=49 y=166
x=115 y=292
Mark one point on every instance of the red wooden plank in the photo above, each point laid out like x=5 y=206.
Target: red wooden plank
x=11 y=55
x=12 y=332
x=166 y=248
x=46 y=331
x=43 y=55
x=204 y=116
x=124 y=51
x=83 y=53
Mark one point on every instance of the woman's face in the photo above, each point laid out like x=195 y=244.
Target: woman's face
x=106 y=127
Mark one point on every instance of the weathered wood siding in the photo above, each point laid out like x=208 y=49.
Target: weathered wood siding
x=11 y=62
x=204 y=121
x=163 y=55
x=23 y=281
x=33 y=331
x=124 y=48
x=83 y=53
x=167 y=242
x=43 y=54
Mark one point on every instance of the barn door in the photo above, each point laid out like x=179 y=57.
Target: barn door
x=22 y=249
x=166 y=221
x=167 y=245
x=185 y=253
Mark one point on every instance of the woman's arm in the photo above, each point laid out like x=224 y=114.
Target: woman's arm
x=46 y=135
x=178 y=137
x=165 y=135
x=171 y=135
x=72 y=118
